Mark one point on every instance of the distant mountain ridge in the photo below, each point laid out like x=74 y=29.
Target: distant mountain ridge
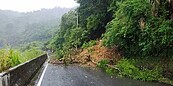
x=17 y=28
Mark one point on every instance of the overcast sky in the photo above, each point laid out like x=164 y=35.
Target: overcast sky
x=30 y=5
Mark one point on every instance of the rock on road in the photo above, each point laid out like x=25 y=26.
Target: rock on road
x=74 y=75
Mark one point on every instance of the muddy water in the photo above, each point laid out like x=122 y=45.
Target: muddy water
x=73 y=75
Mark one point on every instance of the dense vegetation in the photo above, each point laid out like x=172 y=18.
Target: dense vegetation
x=81 y=25
x=21 y=28
x=141 y=30
x=11 y=57
x=138 y=28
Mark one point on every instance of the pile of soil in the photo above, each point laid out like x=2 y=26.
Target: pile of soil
x=92 y=55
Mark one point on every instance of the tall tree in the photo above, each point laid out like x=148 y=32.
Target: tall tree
x=93 y=16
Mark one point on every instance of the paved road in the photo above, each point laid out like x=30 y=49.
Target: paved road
x=77 y=76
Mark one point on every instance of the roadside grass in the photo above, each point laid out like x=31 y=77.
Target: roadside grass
x=8 y=58
x=138 y=68
x=12 y=57
x=30 y=54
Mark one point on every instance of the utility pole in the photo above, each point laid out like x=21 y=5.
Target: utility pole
x=77 y=23
x=77 y=15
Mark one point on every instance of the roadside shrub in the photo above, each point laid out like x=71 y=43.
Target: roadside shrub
x=59 y=54
x=14 y=57
x=127 y=68
x=104 y=65
x=8 y=58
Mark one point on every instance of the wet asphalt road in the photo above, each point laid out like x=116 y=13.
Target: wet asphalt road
x=77 y=76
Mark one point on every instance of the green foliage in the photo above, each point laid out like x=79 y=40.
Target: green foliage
x=137 y=32
x=139 y=28
x=79 y=26
x=134 y=9
x=75 y=37
x=68 y=36
x=93 y=17
x=63 y=36
x=89 y=44
x=127 y=68
x=104 y=65
x=157 y=41
x=111 y=71
x=8 y=58
x=12 y=57
x=93 y=21
x=59 y=54
x=30 y=54
x=120 y=31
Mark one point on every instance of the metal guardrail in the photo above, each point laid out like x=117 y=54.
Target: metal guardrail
x=22 y=74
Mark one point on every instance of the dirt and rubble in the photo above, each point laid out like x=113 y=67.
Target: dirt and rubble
x=90 y=56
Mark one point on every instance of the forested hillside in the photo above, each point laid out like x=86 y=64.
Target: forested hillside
x=22 y=35
x=140 y=31
x=126 y=38
x=20 y=28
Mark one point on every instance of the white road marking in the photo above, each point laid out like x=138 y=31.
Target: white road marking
x=41 y=78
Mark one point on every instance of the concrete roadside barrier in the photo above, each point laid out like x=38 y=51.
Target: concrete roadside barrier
x=22 y=74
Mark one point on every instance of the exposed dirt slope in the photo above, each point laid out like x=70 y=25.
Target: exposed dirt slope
x=95 y=54
x=90 y=56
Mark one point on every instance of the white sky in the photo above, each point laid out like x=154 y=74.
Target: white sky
x=30 y=5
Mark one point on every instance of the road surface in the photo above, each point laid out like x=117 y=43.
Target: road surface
x=73 y=75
